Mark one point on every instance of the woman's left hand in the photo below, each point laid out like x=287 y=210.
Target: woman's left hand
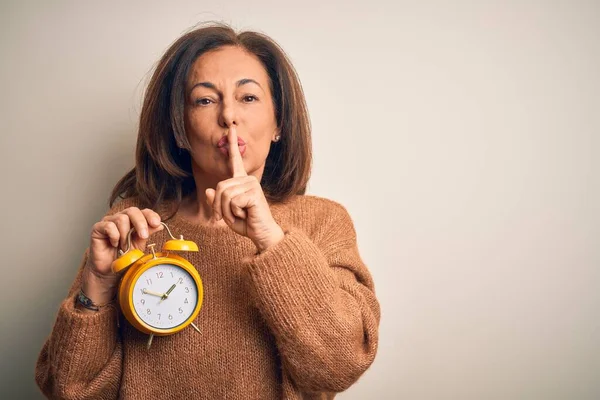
x=242 y=204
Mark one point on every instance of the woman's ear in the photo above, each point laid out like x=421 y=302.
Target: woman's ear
x=276 y=135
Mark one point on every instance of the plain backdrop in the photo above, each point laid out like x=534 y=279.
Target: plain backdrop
x=461 y=136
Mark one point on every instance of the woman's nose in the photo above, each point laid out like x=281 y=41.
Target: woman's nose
x=227 y=116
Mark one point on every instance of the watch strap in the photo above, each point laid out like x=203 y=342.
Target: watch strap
x=88 y=303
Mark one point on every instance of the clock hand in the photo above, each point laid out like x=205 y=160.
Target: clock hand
x=168 y=291
x=146 y=291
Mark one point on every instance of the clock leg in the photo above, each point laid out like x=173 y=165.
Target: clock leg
x=150 y=341
x=196 y=328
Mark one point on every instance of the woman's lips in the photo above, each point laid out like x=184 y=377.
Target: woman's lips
x=223 y=145
x=225 y=149
x=224 y=141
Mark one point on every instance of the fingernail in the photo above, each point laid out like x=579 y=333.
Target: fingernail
x=144 y=233
x=155 y=221
x=217 y=216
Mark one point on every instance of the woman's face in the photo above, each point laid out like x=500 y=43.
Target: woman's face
x=229 y=86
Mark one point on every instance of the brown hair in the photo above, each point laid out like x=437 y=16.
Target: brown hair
x=163 y=172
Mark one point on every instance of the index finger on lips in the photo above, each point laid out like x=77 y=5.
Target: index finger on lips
x=235 y=157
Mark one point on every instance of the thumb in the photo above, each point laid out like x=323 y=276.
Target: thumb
x=140 y=243
x=210 y=196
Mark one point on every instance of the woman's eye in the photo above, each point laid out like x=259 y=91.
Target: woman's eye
x=250 y=99
x=203 y=102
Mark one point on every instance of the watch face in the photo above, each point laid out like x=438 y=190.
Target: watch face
x=165 y=296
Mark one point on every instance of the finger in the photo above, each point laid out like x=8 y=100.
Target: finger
x=106 y=230
x=137 y=221
x=123 y=224
x=152 y=217
x=235 y=157
x=229 y=194
x=152 y=230
x=237 y=210
x=221 y=187
x=210 y=197
x=244 y=201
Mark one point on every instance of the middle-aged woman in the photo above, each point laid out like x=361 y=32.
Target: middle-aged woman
x=223 y=157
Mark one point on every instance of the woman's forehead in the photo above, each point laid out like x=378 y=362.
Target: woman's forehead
x=227 y=64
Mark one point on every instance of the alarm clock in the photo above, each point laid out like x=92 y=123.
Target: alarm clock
x=159 y=293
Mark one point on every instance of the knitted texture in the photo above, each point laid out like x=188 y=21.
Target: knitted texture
x=298 y=321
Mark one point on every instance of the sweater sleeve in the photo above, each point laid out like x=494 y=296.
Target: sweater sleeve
x=81 y=359
x=318 y=298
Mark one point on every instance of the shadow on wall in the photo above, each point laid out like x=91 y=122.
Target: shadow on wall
x=58 y=247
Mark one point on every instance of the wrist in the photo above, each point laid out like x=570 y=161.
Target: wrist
x=83 y=301
x=100 y=290
x=271 y=240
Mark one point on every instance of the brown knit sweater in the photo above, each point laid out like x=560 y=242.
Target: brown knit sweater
x=298 y=321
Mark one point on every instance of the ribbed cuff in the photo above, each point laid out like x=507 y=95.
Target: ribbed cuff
x=292 y=282
x=82 y=343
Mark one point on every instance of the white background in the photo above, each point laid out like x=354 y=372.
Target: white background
x=461 y=136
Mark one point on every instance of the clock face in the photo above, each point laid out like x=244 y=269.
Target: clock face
x=165 y=296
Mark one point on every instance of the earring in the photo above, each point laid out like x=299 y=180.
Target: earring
x=277 y=138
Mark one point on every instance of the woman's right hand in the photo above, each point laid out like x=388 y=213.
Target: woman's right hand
x=99 y=283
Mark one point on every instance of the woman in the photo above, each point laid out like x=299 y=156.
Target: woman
x=223 y=156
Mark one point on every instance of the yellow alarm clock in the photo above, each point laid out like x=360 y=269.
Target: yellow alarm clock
x=160 y=293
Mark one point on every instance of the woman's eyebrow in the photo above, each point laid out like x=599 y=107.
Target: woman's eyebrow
x=246 y=81
x=210 y=85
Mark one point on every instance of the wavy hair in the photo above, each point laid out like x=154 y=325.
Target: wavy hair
x=163 y=173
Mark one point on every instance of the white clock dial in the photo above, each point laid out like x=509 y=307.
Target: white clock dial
x=165 y=296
